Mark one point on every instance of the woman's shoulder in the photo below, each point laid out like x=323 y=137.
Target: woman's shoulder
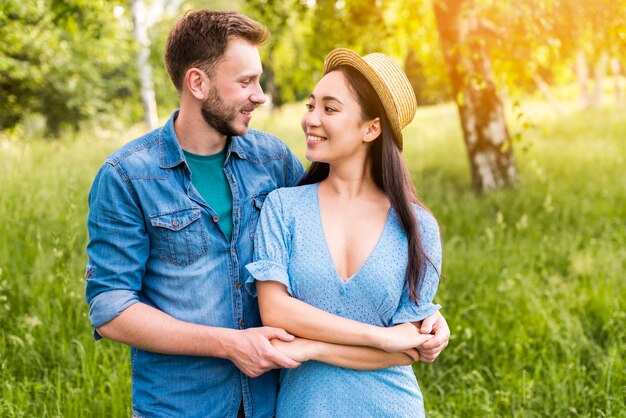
x=293 y=193
x=289 y=197
x=427 y=221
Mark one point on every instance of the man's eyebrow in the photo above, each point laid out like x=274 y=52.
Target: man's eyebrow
x=327 y=98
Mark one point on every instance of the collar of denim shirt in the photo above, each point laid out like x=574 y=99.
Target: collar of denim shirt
x=171 y=153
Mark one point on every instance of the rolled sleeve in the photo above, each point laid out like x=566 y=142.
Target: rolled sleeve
x=271 y=247
x=414 y=313
x=408 y=310
x=106 y=306
x=118 y=247
x=265 y=271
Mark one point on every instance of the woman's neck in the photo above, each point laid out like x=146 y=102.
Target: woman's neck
x=350 y=181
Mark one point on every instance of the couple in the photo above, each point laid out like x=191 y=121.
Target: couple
x=345 y=266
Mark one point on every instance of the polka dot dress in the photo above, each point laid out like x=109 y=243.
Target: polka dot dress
x=290 y=248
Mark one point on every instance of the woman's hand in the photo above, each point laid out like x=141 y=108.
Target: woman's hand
x=437 y=326
x=401 y=338
x=299 y=349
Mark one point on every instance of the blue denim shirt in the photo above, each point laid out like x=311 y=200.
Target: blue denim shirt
x=153 y=239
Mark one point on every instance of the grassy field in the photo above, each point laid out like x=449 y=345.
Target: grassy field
x=534 y=287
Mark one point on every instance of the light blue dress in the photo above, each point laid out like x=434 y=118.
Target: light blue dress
x=290 y=248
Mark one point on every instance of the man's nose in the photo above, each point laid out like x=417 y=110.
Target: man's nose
x=257 y=95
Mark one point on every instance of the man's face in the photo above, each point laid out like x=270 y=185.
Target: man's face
x=234 y=89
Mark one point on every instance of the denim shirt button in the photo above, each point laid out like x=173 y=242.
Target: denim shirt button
x=238 y=285
x=175 y=222
x=242 y=323
x=215 y=219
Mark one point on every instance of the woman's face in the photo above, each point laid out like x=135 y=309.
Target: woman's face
x=333 y=123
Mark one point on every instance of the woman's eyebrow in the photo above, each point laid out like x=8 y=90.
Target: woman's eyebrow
x=327 y=98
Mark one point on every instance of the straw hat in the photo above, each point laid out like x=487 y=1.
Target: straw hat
x=391 y=84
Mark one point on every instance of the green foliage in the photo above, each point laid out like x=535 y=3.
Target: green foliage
x=288 y=74
x=69 y=61
x=73 y=61
x=534 y=290
x=543 y=36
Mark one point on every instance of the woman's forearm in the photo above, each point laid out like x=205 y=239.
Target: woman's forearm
x=347 y=356
x=279 y=309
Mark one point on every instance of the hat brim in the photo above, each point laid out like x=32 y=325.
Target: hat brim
x=342 y=56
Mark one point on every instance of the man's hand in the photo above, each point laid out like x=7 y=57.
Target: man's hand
x=299 y=350
x=254 y=354
x=434 y=325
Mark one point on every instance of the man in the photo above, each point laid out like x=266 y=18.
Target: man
x=171 y=220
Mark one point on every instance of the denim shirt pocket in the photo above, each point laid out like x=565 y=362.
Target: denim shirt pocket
x=257 y=205
x=181 y=236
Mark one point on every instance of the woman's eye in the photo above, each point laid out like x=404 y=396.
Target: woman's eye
x=329 y=109
x=309 y=107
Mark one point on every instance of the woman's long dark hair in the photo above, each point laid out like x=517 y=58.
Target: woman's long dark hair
x=389 y=172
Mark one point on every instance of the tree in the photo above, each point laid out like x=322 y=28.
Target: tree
x=144 y=69
x=144 y=17
x=65 y=60
x=462 y=35
x=282 y=19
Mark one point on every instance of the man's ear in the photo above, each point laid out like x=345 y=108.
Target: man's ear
x=196 y=82
x=373 y=130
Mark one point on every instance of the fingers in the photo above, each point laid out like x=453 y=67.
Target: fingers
x=279 y=333
x=413 y=353
x=438 y=341
x=430 y=350
x=428 y=358
x=424 y=339
x=427 y=326
x=282 y=361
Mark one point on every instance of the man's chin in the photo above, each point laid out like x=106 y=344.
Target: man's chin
x=241 y=129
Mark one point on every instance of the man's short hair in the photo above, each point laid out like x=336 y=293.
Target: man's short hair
x=199 y=39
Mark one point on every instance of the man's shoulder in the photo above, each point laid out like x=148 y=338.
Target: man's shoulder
x=262 y=146
x=139 y=149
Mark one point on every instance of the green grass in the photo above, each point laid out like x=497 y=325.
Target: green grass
x=534 y=290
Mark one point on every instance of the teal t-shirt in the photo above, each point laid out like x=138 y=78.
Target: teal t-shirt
x=207 y=176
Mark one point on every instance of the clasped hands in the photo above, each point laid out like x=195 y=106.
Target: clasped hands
x=265 y=348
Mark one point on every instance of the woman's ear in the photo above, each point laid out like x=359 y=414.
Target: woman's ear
x=372 y=131
x=195 y=80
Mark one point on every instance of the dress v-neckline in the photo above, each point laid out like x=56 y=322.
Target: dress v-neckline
x=328 y=253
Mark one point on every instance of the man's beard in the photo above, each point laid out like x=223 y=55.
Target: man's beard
x=218 y=115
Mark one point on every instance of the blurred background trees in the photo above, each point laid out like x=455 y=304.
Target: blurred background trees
x=66 y=63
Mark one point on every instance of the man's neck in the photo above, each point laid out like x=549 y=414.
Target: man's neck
x=196 y=136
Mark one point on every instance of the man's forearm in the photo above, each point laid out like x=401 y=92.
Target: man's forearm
x=150 y=329
x=348 y=356
x=359 y=358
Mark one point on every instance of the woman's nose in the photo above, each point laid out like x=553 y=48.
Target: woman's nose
x=311 y=118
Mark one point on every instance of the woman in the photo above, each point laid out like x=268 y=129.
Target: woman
x=350 y=260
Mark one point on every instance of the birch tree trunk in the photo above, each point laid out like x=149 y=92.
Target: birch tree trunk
x=582 y=73
x=482 y=115
x=616 y=71
x=599 y=73
x=547 y=93
x=144 y=70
